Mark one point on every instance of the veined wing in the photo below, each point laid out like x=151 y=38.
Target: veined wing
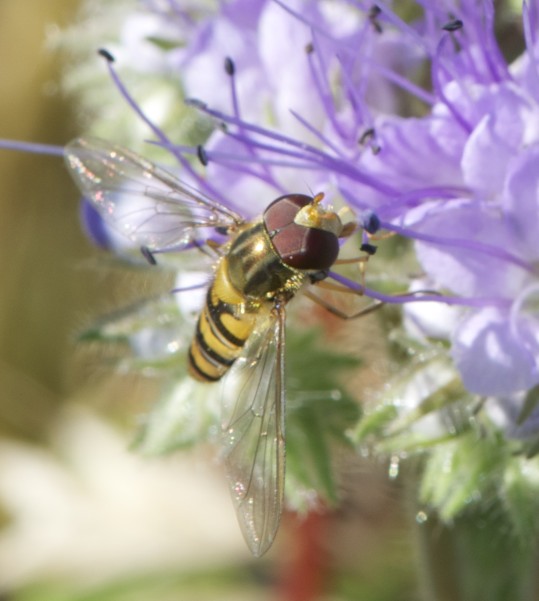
x=142 y=201
x=253 y=434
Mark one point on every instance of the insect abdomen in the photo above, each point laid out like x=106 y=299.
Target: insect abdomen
x=222 y=329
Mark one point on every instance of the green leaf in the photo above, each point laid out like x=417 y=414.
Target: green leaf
x=531 y=447
x=521 y=497
x=530 y=402
x=467 y=469
x=319 y=413
x=373 y=424
x=149 y=336
x=118 y=326
x=187 y=414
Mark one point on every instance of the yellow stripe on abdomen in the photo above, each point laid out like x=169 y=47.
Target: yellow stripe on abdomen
x=222 y=329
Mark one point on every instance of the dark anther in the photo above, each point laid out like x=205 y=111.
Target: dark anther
x=369 y=221
x=374 y=12
x=369 y=136
x=106 y=55
x=370 y=249
x=223 y=230
x=318 y=276
x=148 y=255
x=366 y=135
x=230 y=67
x=202 y=155
x=309 y=48
x=453 y=25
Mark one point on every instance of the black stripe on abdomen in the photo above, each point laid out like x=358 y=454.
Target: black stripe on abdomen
x=216 y=344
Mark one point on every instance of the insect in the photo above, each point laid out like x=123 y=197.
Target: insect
x=258 y=270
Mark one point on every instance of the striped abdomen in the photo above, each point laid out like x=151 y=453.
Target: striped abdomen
x=222 y=329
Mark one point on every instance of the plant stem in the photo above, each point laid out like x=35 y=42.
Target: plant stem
x=477 y=558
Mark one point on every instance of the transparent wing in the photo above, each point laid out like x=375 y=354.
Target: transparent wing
x=142 y=201
x=253 y=434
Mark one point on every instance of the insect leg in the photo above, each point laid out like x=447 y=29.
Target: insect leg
x=369 y=250
x=338 y=312
x=362 y=259
x=376 y=304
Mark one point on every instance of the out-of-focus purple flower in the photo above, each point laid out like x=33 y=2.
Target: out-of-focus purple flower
x=94 y=226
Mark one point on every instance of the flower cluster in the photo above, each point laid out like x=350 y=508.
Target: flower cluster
x=333 y=96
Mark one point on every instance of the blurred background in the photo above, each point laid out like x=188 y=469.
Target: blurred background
x=82 y=517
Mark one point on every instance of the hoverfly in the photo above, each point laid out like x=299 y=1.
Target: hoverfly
x=258 y=270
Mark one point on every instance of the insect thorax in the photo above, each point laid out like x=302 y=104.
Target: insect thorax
x=256 y=269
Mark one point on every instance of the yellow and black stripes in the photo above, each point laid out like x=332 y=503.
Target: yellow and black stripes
x=222 y=329
x=253 y=265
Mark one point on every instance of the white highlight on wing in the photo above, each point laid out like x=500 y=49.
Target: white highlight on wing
x=142 y=201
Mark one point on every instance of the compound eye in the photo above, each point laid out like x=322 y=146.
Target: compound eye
x=299 y=246
x=306 y=247
x=282 y=211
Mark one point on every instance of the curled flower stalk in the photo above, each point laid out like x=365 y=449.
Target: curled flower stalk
x=411 y=116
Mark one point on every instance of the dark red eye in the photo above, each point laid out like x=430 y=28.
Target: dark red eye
x=299 y=246
x=282 y=211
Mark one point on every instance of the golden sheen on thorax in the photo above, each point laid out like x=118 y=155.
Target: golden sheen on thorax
x=254 y=267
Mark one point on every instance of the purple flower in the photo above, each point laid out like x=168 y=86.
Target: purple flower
x=462 y=178
x=330 y=96
x=480 y=242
